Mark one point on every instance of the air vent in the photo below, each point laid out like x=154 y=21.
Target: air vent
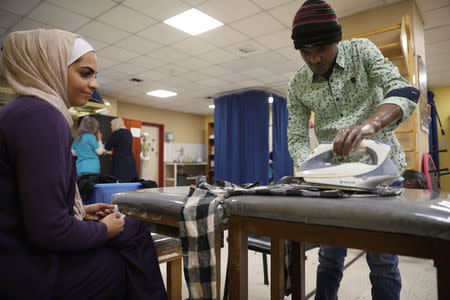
x=136 y=80
x=246 y=49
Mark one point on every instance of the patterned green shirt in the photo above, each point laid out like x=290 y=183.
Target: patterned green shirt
x=361 y=78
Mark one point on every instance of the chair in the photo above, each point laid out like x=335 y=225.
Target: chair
x=168 y=250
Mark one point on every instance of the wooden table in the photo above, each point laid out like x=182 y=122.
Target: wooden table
x=405 y=225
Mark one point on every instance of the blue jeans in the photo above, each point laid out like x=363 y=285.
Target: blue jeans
x=384 y=274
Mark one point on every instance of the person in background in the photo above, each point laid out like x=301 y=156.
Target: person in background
x=51 y=246
x=121 y=142
x=355 y=93
x=87 y=145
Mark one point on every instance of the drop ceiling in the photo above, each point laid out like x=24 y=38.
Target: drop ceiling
x=252 y=49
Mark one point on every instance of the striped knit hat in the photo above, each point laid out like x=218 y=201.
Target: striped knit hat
x=315 y=24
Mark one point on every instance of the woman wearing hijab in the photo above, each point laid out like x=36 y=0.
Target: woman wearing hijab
x=51 y=247
x=121 y=142
x=87 y=145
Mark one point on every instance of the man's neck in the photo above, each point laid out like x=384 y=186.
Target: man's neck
x=327 y=75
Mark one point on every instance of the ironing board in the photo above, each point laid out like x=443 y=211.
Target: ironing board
x=413 y=224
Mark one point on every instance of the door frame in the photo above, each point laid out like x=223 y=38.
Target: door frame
x=161 y=151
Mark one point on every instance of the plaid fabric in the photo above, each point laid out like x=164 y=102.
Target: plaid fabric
x=203 y=211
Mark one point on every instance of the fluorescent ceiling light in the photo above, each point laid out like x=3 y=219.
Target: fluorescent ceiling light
x=193 y=22
x=211 y=106
x=161 y=93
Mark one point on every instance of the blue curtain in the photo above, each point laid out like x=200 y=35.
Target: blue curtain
x=241 y=138
x=433 y=134
x=282 y=162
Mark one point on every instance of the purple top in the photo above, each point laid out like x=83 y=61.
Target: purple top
x=37 y=186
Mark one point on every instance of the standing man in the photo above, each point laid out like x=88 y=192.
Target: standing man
x=355 y=93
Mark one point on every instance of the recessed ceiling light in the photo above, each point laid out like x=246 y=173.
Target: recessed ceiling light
x=193 y=22
x=270 y=99
x=161 y=93
x=211 y=106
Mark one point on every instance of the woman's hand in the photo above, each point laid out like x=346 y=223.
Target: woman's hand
x=97 y=211
x=115 y=224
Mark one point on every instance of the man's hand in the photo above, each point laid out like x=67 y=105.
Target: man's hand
x=348 y=138
x=97 y=211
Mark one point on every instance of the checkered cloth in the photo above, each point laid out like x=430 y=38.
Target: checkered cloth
x=203 y=211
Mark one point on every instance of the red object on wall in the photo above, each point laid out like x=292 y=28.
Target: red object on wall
x=129 y=123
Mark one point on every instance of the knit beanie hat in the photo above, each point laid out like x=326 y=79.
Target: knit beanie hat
x=315 y=24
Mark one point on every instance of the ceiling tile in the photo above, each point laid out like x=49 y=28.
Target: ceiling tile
x=223 y=36
x=194 y=45
x=194 y=63
x=194 y=75
x=171 y=69
x=138 y=44
x=290 y=53
x=212 y=81
x=129 y=68
x=111 y=74
x=97 y=45
x=195 y=2
x=426 y=5
x=266 y=4
x=104 y=62
x=286 y=12
x=230 y=10
x=438 y=79
x=57 y=17
x=345 y=8
x=438 y=49
x=126 y=19
x=28 y=24
x=158 y=9
x=218 y=56
x=20 y=7
x=87 y=8
x=169 y=54
x=273 y=79
x=257 y=72
x=252 y=83
x=102 y=32
x=214 y=71
x=150 y=76
x=247 y=48
x=235 y=77
x=8 y=19
x=147 y=61
x=117 y=53
x=276 y=40
x=437 y=17
x=163 y=34
x=436 y=35
x=252 y=26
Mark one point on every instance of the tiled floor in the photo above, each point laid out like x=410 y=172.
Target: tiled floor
x=418 y=277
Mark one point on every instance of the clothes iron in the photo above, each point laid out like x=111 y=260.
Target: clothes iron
x=318 y=170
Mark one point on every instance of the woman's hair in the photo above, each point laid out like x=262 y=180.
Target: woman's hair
x=117 y=123
x=87 y=125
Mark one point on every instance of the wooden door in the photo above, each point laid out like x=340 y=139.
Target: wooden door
x=135 y=127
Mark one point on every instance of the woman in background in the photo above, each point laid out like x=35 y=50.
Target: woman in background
x=87 y=145
x=121 y=142
x=51 y=246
